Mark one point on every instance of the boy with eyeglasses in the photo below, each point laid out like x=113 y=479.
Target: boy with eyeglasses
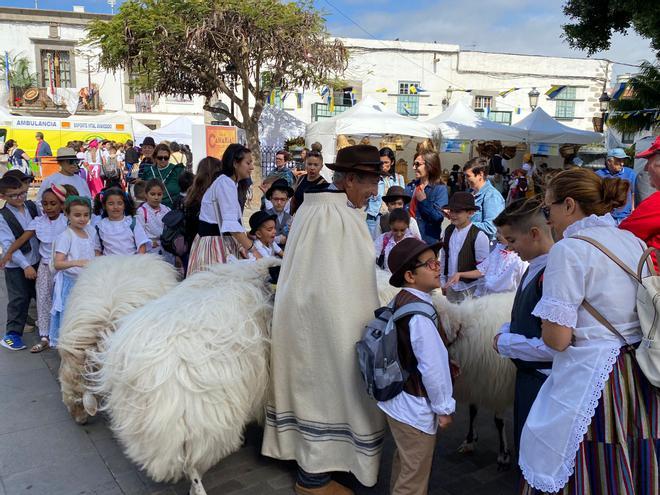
x=21 y=271
x=426 y=401
x=279 y=194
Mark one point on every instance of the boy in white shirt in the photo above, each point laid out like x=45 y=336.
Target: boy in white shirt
x=426 y=400
x=464 y=247
x=262 y=226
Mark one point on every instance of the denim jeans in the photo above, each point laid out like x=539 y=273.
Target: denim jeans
x=20 y=291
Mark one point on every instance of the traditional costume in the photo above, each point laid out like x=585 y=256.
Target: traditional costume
x=319 y=413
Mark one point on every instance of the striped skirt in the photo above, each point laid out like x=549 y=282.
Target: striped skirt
x=209 y=250
x=620 y=452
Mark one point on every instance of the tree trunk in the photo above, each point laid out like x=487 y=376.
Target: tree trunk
x=252 y=137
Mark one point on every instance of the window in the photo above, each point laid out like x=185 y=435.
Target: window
x=499 y=116
x=482 y=102
x=56 y=64
x=565 y=103
x=322 y=111
x=344 y=97
x=628 y=137
x=407 y=100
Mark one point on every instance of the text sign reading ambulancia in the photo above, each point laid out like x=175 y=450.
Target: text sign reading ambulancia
x=39 y=124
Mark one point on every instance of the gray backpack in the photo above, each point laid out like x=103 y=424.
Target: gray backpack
x=378 y=353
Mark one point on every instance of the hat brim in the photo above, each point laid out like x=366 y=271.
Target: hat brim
x=289 y=191
x=359 y=168
x=469 y=208
x=67 y=158
x=253 y=231
x=648 y=153
x=388 y=199
x=397 y=280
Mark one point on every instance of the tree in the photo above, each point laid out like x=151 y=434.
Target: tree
x=643 y=93
x=598 y=20
x=19 y=73
x=244 y=49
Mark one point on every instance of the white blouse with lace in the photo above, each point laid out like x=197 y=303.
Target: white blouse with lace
x=566 y=403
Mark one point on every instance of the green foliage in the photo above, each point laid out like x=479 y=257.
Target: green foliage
x=644 y=94
x=20 y=76
x=598 y=20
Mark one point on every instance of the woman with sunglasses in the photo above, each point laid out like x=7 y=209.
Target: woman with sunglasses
x=594 y=426
x=166 y=172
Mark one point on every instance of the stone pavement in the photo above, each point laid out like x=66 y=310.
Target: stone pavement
x=43 y=452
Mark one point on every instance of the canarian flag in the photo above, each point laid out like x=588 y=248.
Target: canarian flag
x=554 y=91
x=618 y=92
x=381 y=90
x=508 y=91
x=412 y=89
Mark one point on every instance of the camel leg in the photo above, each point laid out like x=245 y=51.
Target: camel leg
x=504 y=456
x=470 y=443
x=196 y=487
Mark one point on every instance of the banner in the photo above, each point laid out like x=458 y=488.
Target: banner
x=218 y=138
x=544 y=149
x=454 y=146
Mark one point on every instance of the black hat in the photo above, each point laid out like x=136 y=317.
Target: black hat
x=279 y=185
x=461 y=201
x=361 y=158
x=17 y=174
x=148 y=141
x=396 y=192
x=258 y=219
x=401 y=256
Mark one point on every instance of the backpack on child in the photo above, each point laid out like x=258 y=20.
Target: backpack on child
x=378 y=352
x=173 y=238
x=648 y=310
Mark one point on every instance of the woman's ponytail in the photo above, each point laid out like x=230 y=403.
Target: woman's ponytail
x=614 y=193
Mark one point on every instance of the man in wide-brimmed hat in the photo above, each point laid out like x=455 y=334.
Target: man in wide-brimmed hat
x=69 y=167
x=318 y=413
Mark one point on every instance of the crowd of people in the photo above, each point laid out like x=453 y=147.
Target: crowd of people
x=585 y=415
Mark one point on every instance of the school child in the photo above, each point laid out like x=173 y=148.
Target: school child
x=138 y=193
x=185 y=181
x=150 y=217
x=399 y=229
x=21 y=271
x=118 y=232
x=426 y=401
x=73 y=249
x=279 y=195
x=45 y=228
x=464 y=247
x=396 y=197
x=262 y=227
x=525 y=230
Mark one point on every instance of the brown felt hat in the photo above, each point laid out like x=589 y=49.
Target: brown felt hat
x=361 y=158
x=402 y=256
x=461 y=201
x=396 y=192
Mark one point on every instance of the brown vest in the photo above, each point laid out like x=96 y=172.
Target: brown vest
x=467 y=259
x=414 y=385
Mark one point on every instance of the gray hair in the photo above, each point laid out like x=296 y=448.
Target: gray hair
x=338 y=176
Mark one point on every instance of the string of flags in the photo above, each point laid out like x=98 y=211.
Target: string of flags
x=635 y=113
x=507 y=91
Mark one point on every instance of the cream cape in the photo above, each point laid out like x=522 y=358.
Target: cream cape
x=319 y=413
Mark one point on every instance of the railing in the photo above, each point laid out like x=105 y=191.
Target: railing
x=40 y=99
x=322 y=111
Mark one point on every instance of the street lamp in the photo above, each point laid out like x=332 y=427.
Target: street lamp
x=604 y=102
x=533 y=98
x=450 y=90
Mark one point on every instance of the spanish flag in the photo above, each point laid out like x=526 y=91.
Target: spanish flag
x=554 y=91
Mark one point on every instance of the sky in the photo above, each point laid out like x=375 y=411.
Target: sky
x=511 y=26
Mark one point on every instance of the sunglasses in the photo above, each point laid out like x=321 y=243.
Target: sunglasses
x=431 y=264
x=546 y=209
x=162 y=158
x=417 y=164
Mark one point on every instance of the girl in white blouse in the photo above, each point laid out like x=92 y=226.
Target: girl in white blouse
x=119 y=232
x=150 y=216
x=594 y=427
x=221 y=235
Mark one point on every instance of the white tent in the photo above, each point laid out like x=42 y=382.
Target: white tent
x=369 y=117
x=459 y=121
x=542 y=128
x=179 y=130
x=276 y=126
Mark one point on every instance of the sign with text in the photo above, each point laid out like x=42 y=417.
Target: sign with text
x=454 y=146
x=544 y=149
x=218 y=138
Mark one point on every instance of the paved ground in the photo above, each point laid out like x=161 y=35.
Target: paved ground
x=43 y=452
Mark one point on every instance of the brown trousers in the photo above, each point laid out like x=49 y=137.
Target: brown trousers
x=413 y=458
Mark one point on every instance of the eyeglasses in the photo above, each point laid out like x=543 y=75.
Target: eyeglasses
x=417 y=164
x=546 y=209
x=162 y=158
x=16 y=196
x=431 y=264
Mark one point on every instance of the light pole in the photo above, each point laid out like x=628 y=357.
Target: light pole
x=533 y=98
x=604 y=102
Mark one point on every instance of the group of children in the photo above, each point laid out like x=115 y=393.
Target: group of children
x=516 y=264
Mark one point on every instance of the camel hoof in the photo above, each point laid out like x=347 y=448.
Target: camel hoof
x=504 y=461
x=467 y=447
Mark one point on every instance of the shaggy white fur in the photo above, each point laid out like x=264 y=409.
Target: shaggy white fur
x=184 y=374
x=109 y=288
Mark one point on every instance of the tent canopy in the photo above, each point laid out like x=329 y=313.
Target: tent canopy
x=542 y=128
x=179 y=130
x=276 y=126
x=368 y=117
x=459 y=121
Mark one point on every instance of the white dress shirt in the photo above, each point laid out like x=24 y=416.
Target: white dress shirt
x=433 y=364
x=502 y=271
x=47 y=230
x=118 y=238
x=151 y=220
x=18 y=259
x=456 y=241
x=224 y=191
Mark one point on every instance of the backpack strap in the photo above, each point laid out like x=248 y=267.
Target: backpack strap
x=32 y=208
x=98 y=233
x=603 y=321
x=386 y=241
x=448 y=232
x=646 y=258
x=416 y=308
x=610 y=255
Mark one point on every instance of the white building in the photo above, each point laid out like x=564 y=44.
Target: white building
x=439 y=73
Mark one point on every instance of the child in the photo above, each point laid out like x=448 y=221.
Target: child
x=399 y=229
x=21 y=271
x=262 y=226
x=526 y=232
x=73 y=249
x=111 y=168
x=426 y=401
x=46 y=228
x=185 y=181
x=464 y=247
x=396 y=197
x=118 y=231
x=279 y=194
x=138 y=192
x=150 y=216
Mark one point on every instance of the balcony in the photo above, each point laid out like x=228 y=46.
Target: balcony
x=38 y=101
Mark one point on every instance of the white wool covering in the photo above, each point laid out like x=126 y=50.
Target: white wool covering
x=184 y=374
x=109 y=288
